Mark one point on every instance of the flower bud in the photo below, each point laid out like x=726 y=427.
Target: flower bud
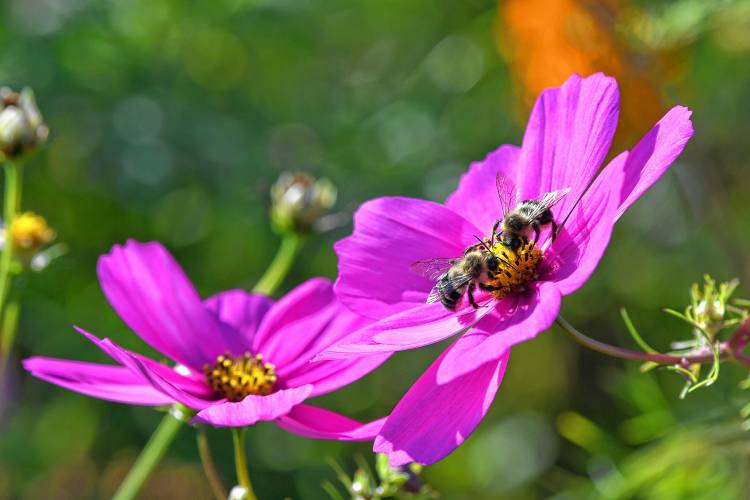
x=30 y=232
x=709 y=304
x=21 y=124
x=298 y=201
x=239 y=493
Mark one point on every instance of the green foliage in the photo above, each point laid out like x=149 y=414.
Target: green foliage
x=709 y=314
x=399 y=483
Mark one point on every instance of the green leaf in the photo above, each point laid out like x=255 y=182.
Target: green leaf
x=634 y=333
x=329 y=488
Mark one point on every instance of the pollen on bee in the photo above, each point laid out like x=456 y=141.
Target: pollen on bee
x=237 y=377
x=517 y=269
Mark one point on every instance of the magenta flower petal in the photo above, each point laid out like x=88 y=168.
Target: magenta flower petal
x=297 y=322
x=576 y=252
x=340 y=323
x=253 y=408
x=152 y=295
x=241 y=310
x=568 y=135
x=432 y=419
x=327 y=376
x=476 y=197
x=113 y=383
x=157 y=378
x=318 y=423
x=390 y=234
x=190 y=381
x=416 y=327
x=514 y=321
x=650 y=158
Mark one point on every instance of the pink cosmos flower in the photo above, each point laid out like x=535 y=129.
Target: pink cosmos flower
x=217 y=345
x=567 y=138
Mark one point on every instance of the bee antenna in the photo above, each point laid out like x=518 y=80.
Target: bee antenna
x=508 y=263
x=572 y=209
x=483 y=243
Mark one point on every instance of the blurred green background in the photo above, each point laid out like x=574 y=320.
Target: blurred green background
x=169 y=121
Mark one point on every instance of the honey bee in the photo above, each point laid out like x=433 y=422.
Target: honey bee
x=502 y=264
x=517 y=224
x=459 y=276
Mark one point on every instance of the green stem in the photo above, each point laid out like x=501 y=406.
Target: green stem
x=150 y=456
x=623 y=353
x=8 y=332
x=280 y=265
x=209 y=467
x=240 y=461
x=11 y=202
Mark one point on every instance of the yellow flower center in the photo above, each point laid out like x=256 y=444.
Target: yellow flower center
x=517 y=269
x=237 y=377
x=30 y=232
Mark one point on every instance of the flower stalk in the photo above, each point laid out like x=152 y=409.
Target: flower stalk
x=11 y=204
x=240 y=462
x=729 y=349
x=151 y=454
x=9 y=327
x=209 y=467
x=280 y=266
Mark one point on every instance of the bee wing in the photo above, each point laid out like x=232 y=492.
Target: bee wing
x=433 y=269
x=506 y=193
x=456 y=282
x=548 y=200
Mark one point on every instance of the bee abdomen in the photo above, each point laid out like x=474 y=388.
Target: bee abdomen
x=449 y=295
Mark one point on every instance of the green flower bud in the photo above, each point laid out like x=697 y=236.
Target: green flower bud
x=21 y=125
x=298 y=201
x=709 y=304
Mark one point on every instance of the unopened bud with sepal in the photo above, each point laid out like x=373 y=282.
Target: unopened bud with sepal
x=299 y=201
x=21 y=125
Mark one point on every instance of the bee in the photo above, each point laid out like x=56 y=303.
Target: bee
x=483 y=265
x=517 y=224
x=459 y=276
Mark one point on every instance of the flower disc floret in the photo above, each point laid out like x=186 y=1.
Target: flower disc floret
x=237 y=377
x=517 y=269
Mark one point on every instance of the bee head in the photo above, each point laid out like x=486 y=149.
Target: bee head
x=493 y=262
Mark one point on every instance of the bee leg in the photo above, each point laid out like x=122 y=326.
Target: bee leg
x=494 y=231
x=470 y=295
x=536 y=229
x=554 y=229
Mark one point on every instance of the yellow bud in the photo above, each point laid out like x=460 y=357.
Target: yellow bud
x=30 y=232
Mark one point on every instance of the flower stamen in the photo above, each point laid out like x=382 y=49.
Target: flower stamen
x=237 y=377
x=517 y=268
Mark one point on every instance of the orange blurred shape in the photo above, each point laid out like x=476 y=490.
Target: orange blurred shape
x=545 y=41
